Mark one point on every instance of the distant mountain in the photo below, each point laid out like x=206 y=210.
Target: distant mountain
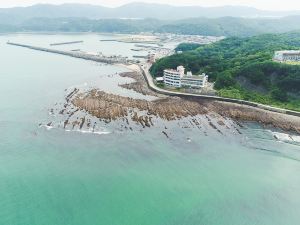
x=133 y=10
x=231 y=26
x=214 y=21
x=225 y=26
x=20 y=14
x=168 y=12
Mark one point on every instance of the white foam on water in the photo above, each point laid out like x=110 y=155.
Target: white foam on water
x=296 y=138
x=89 y=132
x=47 y=127
x=78 y=130
x=286 y=137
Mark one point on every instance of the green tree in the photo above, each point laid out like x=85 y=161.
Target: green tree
x=224 y=80
x=279 y=95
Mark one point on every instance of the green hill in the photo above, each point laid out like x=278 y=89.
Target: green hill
x=225 y=26
x=231 y=26
x=243 y=68
x=134 y=10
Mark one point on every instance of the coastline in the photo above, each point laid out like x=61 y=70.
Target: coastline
x=111 y=107
x=152 y=86
x=175 y=105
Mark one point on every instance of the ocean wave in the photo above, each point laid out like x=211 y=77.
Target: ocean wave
x=48 y=127
x=286 y=137
x=89 y=132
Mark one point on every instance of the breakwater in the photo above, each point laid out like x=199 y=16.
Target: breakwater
x=66 y=43
x=82 y=55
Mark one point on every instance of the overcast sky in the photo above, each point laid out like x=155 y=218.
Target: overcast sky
x=261 y=4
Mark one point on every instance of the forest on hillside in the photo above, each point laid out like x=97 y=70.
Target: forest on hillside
x=243 y=68
x=225 y=26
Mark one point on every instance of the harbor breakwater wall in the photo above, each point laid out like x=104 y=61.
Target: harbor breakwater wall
x=81 y=55
x=66 y=43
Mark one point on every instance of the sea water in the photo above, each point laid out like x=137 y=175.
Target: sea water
x=140 y=177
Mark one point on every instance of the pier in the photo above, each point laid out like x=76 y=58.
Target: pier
x=66 y=43
x=82 y=55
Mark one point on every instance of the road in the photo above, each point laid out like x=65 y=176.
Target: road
x=145 y=71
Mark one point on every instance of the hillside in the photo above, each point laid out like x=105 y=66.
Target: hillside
x=230 y=26
x=142 y=17
x=227 y=26
x=132 y=10
x=243 y=68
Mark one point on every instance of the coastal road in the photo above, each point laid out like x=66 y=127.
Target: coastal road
x=148 y=77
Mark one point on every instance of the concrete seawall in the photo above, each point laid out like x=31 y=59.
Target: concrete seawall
x=153 y=87
x=66 y=43
x=81 y=55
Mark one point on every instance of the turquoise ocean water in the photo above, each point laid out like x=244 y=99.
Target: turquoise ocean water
x=127 y=178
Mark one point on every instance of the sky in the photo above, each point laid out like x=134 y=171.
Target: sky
x=260 y=4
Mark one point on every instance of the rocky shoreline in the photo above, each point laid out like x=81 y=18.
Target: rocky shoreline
x=110 y=107
x=251 y=114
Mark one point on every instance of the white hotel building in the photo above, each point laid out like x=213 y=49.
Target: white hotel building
x=287 y=56
x=178 y=78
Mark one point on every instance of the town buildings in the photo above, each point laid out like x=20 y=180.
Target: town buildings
x=151 y=57
x=287 y=56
